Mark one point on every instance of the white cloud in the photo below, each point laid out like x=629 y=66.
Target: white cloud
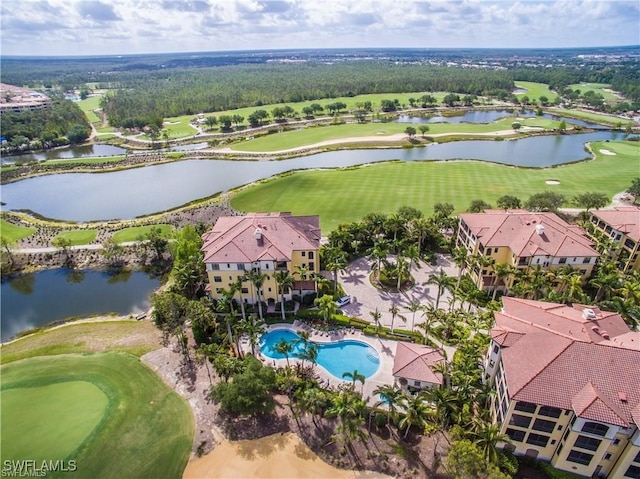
x=60 y=27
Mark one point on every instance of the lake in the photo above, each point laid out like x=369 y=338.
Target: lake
x=142 y=191
x=39 y=298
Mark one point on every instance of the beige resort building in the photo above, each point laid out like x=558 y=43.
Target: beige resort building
x=622 y=225
x=523 y=240
x=262 y=243
x=567 y=382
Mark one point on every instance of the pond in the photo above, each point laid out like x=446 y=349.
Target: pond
x=487 y=116
x=88 y=151
x=36 y=299
x=142 y=191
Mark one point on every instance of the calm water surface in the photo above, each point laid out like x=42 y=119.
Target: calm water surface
x=141 y=191
x=39 y=298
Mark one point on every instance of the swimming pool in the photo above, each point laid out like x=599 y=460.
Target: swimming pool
x=337 y=358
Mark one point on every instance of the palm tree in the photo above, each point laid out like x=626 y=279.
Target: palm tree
x=391 y=396
x=502 y=271
x=414 y=307
x=314 y=401
x=336 y=261
x=459 y=257
x=402 y=268
x=486 y=436
x=236 y=286
x=285 y=282
x=574 y=292
x=257 y=280
x=395 y=312
x=309 y=353
x=347 y=406
x=446 y=404
x=285 y=348
x=416 y=413
x=378 y=254
x=376 y=315
x=354 y=376
x=254 y=328
x=442 y=281
x=412 y=253
x=327 y=306
x=606 y=279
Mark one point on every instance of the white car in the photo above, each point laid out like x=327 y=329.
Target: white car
x=343 y=301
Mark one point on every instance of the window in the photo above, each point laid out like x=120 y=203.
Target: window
x=637 y=458
x=595 y=428
x=241 y=267
x=245 y=290
x=550 y=411
x=312 y=266
x=537 y=439
x=488 y=251
x=629 y=243
x=303 y=254
x=633 y=472
x=219 y=290
x=515 y=435
x=215 y=267
x=310 y=254
x=520 y=421
x=616 y=442
x=544 y=425
x=559 y=427
x=585 y=442
x=562 y=260
x=496 y=348
x=525 y=406
x=586 y=260
x=492 y=363
x=217 y=279
x=281 y=265
x=607 y=456
x=579 y=457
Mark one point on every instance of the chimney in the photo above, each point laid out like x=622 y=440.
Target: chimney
x=540 y=229
x=258 y=233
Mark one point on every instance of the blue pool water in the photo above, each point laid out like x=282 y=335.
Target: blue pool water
x=337 y=358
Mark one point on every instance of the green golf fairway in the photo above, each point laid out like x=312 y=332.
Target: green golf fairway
x=107 y=412
x=348 y=194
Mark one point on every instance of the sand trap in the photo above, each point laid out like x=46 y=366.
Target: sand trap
x=552 y=182
x=607 y=152
x=277 y=456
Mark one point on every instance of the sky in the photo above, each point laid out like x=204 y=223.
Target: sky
x=118 y=27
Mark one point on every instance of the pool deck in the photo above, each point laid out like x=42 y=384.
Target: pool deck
x=386 y=351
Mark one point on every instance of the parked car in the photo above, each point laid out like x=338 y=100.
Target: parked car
x=342 y=302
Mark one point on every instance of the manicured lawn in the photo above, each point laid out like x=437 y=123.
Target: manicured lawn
x=590 y=116
x=351 y=102
x=107 y=411
x=535 y=90
x=88 y=105
x=601 y=88
x=348 y=194
x=178 y=127
x=79 y=161
x=78 y=237
x=133 y=337
x=309 y=136
x=136 y=232
x=12 y=233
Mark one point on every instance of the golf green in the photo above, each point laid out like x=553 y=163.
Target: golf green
x=107 y=412
x=78 y=405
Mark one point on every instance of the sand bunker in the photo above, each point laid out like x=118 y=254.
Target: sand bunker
x=552 y=182
x=276 y=456
x=607 y=152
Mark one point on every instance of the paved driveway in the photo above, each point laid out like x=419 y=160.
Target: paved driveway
x=366 y=298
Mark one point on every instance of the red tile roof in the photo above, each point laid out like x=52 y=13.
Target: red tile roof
x=622 y=218
x=415 y=361
x=233 y=238
x=519 y=230
x=559 y=361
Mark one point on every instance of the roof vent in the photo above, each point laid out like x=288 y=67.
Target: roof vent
x=258 y=234
x=595 y=329
x=604 y=334
x=540 y=229
x=588 y=313
x=622 y=396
